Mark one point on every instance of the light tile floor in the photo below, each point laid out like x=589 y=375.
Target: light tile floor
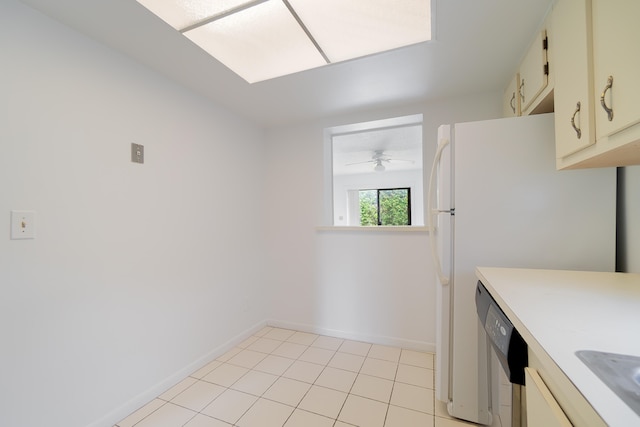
x=284 y=378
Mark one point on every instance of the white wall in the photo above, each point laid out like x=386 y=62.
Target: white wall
x=141 y=272
x=362 y=284
x=138 y=272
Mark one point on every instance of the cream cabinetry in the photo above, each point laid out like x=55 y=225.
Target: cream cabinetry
x=534 y=72
x=557 y=398
x=598 y=67
x=530 y=91
x=541 y=407
x=573 y=92
x=616 y=47
x=511 y=99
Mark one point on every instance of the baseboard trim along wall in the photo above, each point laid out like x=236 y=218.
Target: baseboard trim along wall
x=151 y=393
x=373 y=339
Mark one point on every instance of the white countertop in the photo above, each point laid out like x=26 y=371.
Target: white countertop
x=561 y=312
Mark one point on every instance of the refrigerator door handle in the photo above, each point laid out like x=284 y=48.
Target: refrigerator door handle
x=433 y=212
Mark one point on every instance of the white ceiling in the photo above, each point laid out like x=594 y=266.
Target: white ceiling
x=478 y=45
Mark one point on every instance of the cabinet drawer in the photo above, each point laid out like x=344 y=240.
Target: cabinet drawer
x=541 y=407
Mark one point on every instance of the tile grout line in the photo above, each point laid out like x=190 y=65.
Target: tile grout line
x=350 y=389
x=149 y=414
x=259 y=397
x=309 y=389
x=279 y=376
x=324 y=366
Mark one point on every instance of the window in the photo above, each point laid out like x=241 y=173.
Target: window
x=374 y=173
x=390 y=206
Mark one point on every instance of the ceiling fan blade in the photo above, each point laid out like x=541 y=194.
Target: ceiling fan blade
x=360 y=163
x=398 y=160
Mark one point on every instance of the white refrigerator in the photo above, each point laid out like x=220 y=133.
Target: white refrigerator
x=496 y=199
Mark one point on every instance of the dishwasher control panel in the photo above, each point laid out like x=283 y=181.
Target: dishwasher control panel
x=498 y=329
x=504 y=338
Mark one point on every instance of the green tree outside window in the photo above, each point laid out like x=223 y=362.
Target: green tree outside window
x=385 y=207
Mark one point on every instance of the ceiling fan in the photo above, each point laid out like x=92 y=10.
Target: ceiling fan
x=378 y=159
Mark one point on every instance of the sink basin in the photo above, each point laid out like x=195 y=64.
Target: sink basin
x=620 y=372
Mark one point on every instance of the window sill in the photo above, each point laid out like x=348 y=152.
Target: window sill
x=383 y=229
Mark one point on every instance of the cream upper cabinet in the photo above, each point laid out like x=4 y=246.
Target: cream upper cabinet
x=616 y=52
x=530 y=91
x=609 y=118
x=534 y=71
x=511 y=99
x=573 y=92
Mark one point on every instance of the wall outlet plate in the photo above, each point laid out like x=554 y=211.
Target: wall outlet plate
x=137 y=153
x=23 y=225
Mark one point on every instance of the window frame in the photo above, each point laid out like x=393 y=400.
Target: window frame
x=328 y=208
x=378 y=190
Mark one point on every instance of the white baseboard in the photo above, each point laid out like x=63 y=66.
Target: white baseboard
x=151 y=393
x=374 y=339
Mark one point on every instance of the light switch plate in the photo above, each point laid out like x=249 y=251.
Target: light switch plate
x=137 y=153
x=23 y=225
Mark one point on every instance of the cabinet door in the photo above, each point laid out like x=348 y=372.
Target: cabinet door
x=616 y=42
x=510 y=99
x=541 y=407
x=573 y=92
x=533 y=75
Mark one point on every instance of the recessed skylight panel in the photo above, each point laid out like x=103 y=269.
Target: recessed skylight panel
x=259 y=43
x=263 y=39
x=347 y=29
x=182 y=13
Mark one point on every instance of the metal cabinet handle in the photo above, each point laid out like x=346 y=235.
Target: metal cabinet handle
x=603 y=102
x=521 y=90
x=573 y=121
x=511 y=103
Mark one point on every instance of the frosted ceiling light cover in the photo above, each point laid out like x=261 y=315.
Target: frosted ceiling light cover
x=181 y=14
x=347 y=29
x=263 y=39
x=259 y=43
